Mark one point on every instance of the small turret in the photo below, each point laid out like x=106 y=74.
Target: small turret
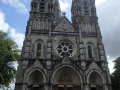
x=84 y=12
x=83 y=8
x=39 y=6
x=56 y=9
x=76 y=8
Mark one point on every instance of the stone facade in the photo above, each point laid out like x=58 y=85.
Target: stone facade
x=59 y=54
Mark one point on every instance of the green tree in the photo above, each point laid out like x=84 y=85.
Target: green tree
x=116 y=75
x=8 y=56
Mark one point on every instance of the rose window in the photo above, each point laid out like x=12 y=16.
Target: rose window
x=65 y=49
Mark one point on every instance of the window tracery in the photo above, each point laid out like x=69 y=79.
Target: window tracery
x=39 y=50
x=90 y=52
x=65 y=48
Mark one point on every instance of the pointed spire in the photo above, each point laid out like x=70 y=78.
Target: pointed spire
x=56 y=1
x=57 y=10
x=76 y=8
x=56 y=5
x=82 y=8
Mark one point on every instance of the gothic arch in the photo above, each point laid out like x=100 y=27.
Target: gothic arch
x=97 y=73
x=36 y=74
x=66 y=77
x=35 y=79
x=90 y=52
x=35 y=48
x=63 y=70
x=30 y=71
x=95 y=80
x=90 y=43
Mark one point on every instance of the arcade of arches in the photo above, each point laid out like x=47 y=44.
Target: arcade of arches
x=65 y=78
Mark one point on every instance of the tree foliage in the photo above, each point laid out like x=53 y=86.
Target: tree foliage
x=116 y=74
x=8 y=54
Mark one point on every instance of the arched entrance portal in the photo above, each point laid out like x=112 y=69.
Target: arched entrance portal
x=95 y=81
x=66 y=79
x=36 y=81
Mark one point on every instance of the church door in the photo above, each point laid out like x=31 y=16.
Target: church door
x=66 y=79
x=35 y=88
x=38 y=88
x=36 y=81
x=65 y=88
x=95 y=81
x=69 y=88
x=99 y=87
x=93 y=88
x=61 y=88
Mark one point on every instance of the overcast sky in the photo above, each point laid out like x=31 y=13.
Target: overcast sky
x=108 y=12
x=14 y=16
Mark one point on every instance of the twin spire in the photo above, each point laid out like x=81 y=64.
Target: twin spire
x=79 y=7
x=56 y=7
x=45 y=6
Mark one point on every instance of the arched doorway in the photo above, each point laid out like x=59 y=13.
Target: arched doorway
x=36 y=81
x=66 y=79
x=95 y=81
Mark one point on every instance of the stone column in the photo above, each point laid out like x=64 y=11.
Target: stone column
x=49 y=48
x=49 y=87
x=105 y=87
x=25 y=87
x=45 y=87
x=87 y=87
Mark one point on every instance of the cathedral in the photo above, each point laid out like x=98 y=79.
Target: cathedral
x=59 y=54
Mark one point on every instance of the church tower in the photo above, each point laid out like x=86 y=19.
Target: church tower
x=59 y=54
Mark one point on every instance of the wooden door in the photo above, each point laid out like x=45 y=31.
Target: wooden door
x=69 y=88
x=35 y=88
x=93 y=88
x=61 y=88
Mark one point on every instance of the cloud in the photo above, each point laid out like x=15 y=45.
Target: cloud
x=99 y=2
x=64 y=5
x=109 y=18
x=17 y=4
x=13 y=33
x=110 y=63
x=16 y=36
x=3 y=26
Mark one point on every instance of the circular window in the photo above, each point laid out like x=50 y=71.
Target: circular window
x=65 y=48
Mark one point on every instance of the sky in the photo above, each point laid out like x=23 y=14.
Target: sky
x=14 y=15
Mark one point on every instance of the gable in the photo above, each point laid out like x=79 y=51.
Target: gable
x=64 y=26
x=93 y=66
